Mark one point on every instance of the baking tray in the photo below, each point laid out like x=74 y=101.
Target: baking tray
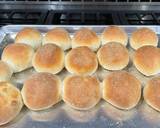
x=102 y=115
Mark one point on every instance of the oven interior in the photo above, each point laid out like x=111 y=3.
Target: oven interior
x=80 y=12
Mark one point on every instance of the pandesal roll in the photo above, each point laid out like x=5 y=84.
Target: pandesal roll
x=114 y=34
x=151 y=93
x=81 y=60
x=58 y=36
x=41 y=91
x=81 y=92
x=122 y=90
x=113 y=56
x=30 y=36
x=48 y=58
x=143 y=36
x=86 y=37
x=18 y=56
x=147 y=60
x=10 y=102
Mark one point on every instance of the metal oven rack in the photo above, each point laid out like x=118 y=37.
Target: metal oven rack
x=80 y=12
x=96 y=2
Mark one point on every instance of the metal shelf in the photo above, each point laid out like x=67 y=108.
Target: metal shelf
x=91 y=1
x=79 y=12
x=82 y=17
x=84 y=2
x=22 y=16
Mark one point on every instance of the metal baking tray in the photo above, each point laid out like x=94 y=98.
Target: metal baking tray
x=102 y=115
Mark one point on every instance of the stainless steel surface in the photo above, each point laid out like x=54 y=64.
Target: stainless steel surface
x=103 y=115
x=79 y=17
x=60 y=7
x=83 y=2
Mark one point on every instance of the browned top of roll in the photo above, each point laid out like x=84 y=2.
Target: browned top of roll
x=122 y=89
x=41 y=90
x=29 y=33
x=58 y=36
x=10 y=102
x=30 y=36
x=113 y=56
x=49 y=55
x=18 y=56
x=114 y=34
x=81 y=92
x=147 y=59
x=152 y=92
x=85 y=36
x=81 y=60
x=16 y=52
x=143 y=36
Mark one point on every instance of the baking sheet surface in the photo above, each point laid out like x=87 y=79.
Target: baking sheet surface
x=103 y=115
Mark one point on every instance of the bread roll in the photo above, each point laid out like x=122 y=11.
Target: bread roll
x=58 y=36
x=142 y=37
x=81 y=92
x=151 y=93
x=10 y=102
x=81 y=61
x=29 y=36
x=41 y=91
x=5 y=72
x=122 y=90
x=113 y=56
x=86 y=37
x=114 y=34
x=18 y=56
x=48 y=58
x=147 y=60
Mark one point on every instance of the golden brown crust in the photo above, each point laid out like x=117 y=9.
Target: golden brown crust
x=151 y=93
x=81 y=92
x=58 y=36
x=147 y=60
x=29 y=36
x=18 y=56
x=122 y=90
x=113 y=56
x=86 y=37
x=142 y=37
x=41 y=91
x=81 y=60
x=48 y=58
x=114 y=34
x=10 y=102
